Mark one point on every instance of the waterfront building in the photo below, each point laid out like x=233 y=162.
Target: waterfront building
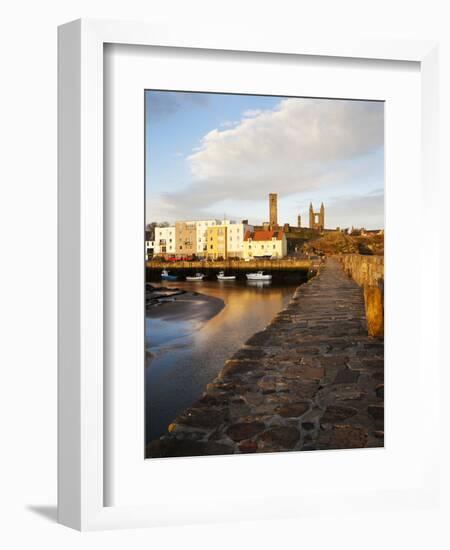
x=235 y=236
x=149 y=249
x=164 y=243
x=216 y=238
x=201 y=227
x=265 y=244
x=186 y=238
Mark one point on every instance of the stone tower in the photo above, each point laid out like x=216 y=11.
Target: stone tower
x=317 y=219
x=299 y=221
x=273 y=210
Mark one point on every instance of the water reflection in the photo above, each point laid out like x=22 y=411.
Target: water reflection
x=189 y=341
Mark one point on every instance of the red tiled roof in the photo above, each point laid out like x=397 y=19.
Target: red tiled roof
x=263 y=235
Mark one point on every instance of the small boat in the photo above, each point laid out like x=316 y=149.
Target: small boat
x=259 y=276
x=166 y=277
x=222 y=277
x=196 y=277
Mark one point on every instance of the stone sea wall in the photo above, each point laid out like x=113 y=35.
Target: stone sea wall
x=368 y=272
x=311 y=380
x=365 y=270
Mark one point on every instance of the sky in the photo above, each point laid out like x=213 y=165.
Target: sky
x=219 y=155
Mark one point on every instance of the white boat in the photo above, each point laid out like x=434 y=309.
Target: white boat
x=259 y=276
x=196 y=277
x=165 y=276
x=222 y=277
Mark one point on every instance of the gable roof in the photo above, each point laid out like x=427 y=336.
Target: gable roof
x=263 y=235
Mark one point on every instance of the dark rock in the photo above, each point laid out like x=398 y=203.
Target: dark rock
x=271 y=383
x=342 y=437
x=304 y=372
x=346 y=376
x=304 y=389
x=333 y=361
x=376 y=411
x=205 y=417
x=308 y=426
x=280 y=436
x=335 y=413
x=244 y=430
x=379 y=390
x=292 y=409
x=248 y=446
x=253 y=398
x=258 y=339
x=235 y=366
x=249 y=353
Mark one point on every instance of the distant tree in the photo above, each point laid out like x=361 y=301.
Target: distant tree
x=150 y=228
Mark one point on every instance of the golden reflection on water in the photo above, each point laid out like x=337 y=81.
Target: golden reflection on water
x=242 y=312
x=179 y=372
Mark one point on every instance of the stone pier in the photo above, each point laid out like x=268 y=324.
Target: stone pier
x=313 y=379
x=368 y=272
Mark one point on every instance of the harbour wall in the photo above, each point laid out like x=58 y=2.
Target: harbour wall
x=232 y=265
x=281 y=270
x=368 y=273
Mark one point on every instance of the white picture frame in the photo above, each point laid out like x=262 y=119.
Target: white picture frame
x=81 y=481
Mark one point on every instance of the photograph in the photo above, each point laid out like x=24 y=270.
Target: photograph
x=264 y=273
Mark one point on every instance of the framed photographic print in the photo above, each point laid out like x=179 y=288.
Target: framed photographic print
x=235 y=294
x=257 y=340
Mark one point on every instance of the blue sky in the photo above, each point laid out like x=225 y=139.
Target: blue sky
x=210 y=155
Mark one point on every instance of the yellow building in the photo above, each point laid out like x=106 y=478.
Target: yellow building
x=216 y=242
x=265 y=244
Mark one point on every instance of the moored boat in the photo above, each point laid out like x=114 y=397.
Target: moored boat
x=259 y=276
x=196 y=277
x=165 y=276
x=222 y=277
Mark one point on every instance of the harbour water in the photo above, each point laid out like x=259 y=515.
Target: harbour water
x=188 y=340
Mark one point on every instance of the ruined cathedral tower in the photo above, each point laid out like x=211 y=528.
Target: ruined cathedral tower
x=273 y=210
x=317 y=219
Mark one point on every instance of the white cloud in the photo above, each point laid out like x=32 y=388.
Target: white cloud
x=229 y=123
x=251 y=113
x=294 y=149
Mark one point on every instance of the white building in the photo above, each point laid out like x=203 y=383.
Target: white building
x=235 y=235
x=165 y=237
x=235 y=238
x=201 y=229
x=164 y=240
x=149 y=249
x=265 y=244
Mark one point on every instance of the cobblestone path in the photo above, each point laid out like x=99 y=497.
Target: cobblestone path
x=311 y=380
